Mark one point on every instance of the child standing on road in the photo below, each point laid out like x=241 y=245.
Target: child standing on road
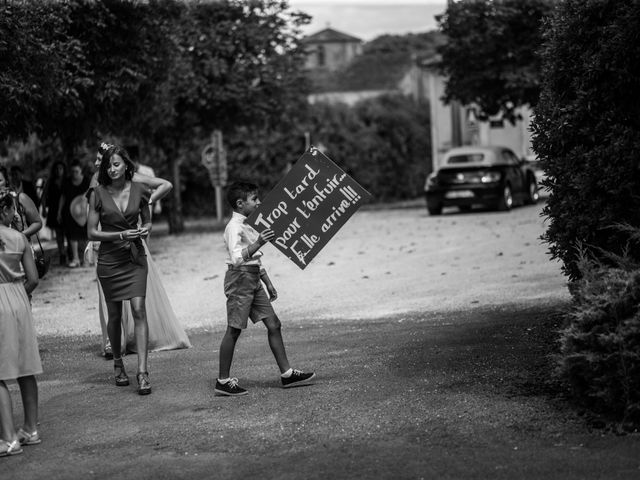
x=19 y=357
x=246 y=297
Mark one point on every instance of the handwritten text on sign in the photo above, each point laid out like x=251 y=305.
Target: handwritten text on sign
x=308 y=206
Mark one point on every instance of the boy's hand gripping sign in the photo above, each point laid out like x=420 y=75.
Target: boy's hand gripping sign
x=308 y=206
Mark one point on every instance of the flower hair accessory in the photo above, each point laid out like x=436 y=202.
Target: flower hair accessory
x=103 y=148
x=4 y=192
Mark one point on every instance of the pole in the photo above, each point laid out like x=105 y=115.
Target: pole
x=218 y=189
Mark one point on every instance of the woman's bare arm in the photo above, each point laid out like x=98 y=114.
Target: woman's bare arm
x=30 y=270
x=160 y=186
x=31 y=214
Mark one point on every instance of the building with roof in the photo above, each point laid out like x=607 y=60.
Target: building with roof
x=386 y=65
x=331 y=50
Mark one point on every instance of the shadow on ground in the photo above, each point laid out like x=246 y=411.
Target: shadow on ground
x=429 y=395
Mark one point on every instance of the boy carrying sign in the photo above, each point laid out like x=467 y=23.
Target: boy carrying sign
x=245 y=294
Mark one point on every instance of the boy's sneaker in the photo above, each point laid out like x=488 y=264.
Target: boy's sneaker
x=230 y=389
x=297 y=378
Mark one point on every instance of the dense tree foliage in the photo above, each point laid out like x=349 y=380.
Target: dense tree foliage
x=43 y=68
x=163 y=72
x=239 y=64
x=490 y=55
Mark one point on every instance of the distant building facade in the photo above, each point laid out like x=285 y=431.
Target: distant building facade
x=331 y=50
x=454 y=124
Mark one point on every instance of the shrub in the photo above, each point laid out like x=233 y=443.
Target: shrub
x=600 y=345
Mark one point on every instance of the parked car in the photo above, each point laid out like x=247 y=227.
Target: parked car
x=490 y=176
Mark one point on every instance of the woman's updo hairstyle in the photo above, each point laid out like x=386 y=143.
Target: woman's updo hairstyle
x=103 y=176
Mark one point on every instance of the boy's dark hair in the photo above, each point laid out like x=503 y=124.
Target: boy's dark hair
x=103 y=176
x=240 y=191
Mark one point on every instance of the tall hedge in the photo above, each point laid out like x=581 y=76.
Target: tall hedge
x=587 y=126
x=587 y=135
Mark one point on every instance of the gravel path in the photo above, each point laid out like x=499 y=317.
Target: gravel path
x=382 y=262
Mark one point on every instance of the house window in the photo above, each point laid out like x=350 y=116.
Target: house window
x=321 y=56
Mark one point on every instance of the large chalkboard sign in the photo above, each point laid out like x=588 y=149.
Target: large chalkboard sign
x=308 y=206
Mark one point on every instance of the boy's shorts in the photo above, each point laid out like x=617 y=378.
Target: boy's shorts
x=246 y=297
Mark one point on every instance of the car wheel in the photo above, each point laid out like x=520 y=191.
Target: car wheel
x=465 y=208
x=532 y=192
x=434 y=209
x=506 y=200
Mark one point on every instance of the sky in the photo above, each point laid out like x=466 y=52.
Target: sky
x=368 y=19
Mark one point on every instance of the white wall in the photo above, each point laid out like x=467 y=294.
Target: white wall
x=349 y=98
x=471 y=131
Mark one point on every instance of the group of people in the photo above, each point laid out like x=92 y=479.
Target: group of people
x=64 y=207
x=135 y=312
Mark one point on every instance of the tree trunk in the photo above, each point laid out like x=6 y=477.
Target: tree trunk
x=176 y=220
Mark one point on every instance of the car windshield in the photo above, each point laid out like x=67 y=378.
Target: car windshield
x=466 y=158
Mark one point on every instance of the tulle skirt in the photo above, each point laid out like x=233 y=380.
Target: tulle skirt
x=165 y=331
x=19 y=355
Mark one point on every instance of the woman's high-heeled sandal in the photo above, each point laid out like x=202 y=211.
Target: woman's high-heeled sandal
x=121 y=376
x=26 y=438
x=144 y=386
x=10 y=448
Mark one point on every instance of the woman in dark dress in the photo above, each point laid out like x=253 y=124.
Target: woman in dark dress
x=117 y=203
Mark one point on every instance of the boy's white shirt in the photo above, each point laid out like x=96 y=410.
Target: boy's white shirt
x=237 y=238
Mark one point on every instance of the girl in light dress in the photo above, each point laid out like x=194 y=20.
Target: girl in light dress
x=19 y=357
x=165 y=331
